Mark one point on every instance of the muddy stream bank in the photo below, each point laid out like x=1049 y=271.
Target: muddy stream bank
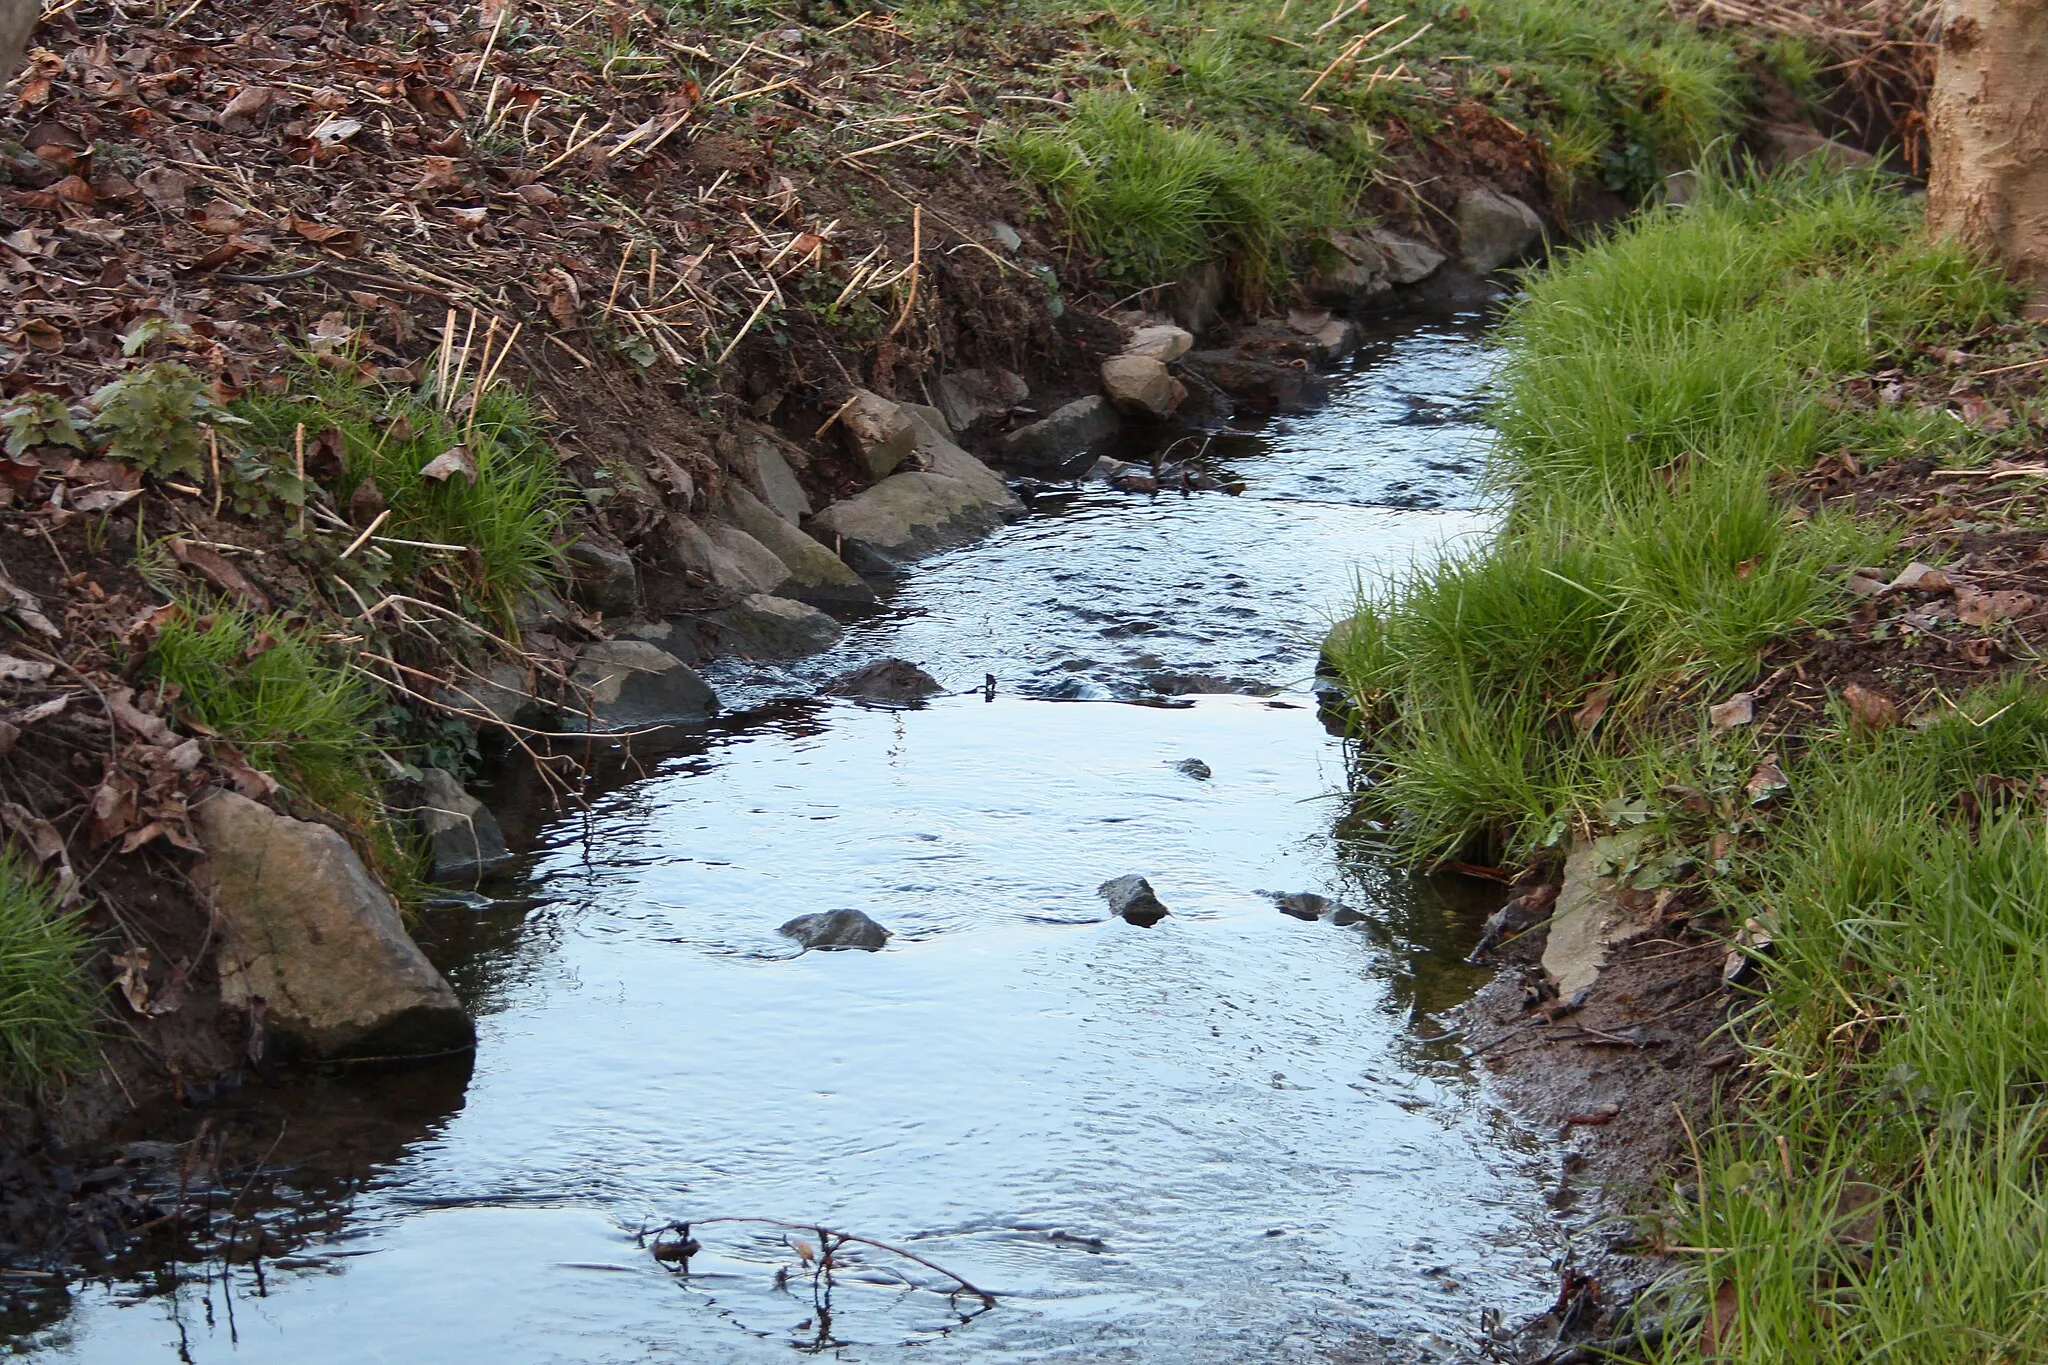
x=1217 y=1139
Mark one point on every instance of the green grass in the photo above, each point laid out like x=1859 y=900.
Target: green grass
x=1906 y=1048
x=268 y=688
x=1192 y=139
x=506 y=518
x=46 y=1003
x=1658 y=385
x=1878 y=1194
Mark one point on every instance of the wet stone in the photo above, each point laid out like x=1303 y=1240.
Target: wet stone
x=836 y=930
x=1195 y=768
x=1132 y=898
x=895 y=682
x=1302 y=904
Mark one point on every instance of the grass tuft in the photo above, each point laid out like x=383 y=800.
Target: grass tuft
x=46 y=1003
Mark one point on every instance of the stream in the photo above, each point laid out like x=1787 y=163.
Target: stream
x=1221 y=1139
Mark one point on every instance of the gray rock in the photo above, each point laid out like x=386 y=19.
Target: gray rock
x=1069 y=438
x=1406 y=261
x=1005 y=235
x=908 y=516
x=602 y=578
x=1141 y=385
x=939 y=455
x=970 y=396
x=1301 y=904
x=308 y=932
x=815 y=573
x=633 y=685
x=1160 y=342
x=1259 y=384
x=877 y=431
x=1351 y=271
x=763 y=460
x=763 y=627
x=1787 y=144
x=1132 y=898
x=1495 y=229
x=506 y=692
x=727 y=556
x=1195 y=768
x=837 y=930
x=894 y=682
x=463 y=838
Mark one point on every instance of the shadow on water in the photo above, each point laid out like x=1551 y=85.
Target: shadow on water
x=1218 y=1139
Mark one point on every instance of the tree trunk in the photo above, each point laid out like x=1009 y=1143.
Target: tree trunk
x=1988 y=133
x=17 y=22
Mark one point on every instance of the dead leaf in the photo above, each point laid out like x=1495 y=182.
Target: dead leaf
x=24 y=670
x=454 y=460
x=1918 y=577
x=804 y=1250
x=1871 y=710
x=95 y=500
x=437 y=176
x=253 y=783
x=1767 y=781
x=467 y=219
x=366 y=502
x=163 y=186
x=112 y=808
x=27 y=610
x=250 y=104
x=335 y=131
x=344 y=241
x=1739 y=709
x=39 y=834
x=134 y=978
x=218 y=570
x=135 y=720
x=1721 y=1333
x=1595 y=706
x=539 y=196
x=1975 y=608
x=53 y=707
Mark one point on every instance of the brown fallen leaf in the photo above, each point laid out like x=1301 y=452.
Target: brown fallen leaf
x=1721 y=1333
x=218 y=570
x=134 y=978
x=1739 y=709
x=112 y=808
x=1597 y=1116
x=24 y=607
x=163 y=186
x=1767 y=781
x=1918 y=577
x=95 y=500
x=1870 y=710
x=1975 y=608
x=1588 y=715
x=24 y=670
x=38 y=834
x=452 y=461
x=249 y=104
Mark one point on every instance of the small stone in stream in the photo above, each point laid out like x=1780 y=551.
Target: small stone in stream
x=1132 y=898
x=1195 y=768
x=896 y=682
x=836 y=930
x=1301 y=904
x=1141 y=385
x=463 y=837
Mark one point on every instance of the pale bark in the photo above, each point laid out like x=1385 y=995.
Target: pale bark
x=1988 y=133
x=17 y=22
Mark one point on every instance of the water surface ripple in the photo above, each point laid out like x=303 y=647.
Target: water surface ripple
x=1213 y=1140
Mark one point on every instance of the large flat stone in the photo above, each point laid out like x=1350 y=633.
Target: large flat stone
x=907 y=516
x=1069 y=438
x=763 y=459
x=815 y=573
x=1590 y=918
x=633 y=685
x=310 y=938
x=727 y=556
x=763 y=627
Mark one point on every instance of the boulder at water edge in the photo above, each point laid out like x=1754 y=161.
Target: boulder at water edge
x=1069 y=439
x=815 y=573
x=632 y=685
x=764 y=627
x=1495 y=229
x=836 y=930
x=463 y=838
x=1132 y=898
x=307 y=933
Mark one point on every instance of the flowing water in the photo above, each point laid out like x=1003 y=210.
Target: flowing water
x=1218 y=1139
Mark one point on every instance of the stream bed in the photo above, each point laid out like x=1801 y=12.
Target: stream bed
x=1215 y=1140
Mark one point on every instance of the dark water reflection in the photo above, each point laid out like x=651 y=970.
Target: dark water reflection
x=1214 y=1140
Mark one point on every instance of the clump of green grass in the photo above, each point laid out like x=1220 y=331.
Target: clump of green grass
x=1657 y=386
x=1195 y=134
x=268 y=688
x=46 y=1003
x=506 y=517
x=1154 y=199
x=1883 y=1198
